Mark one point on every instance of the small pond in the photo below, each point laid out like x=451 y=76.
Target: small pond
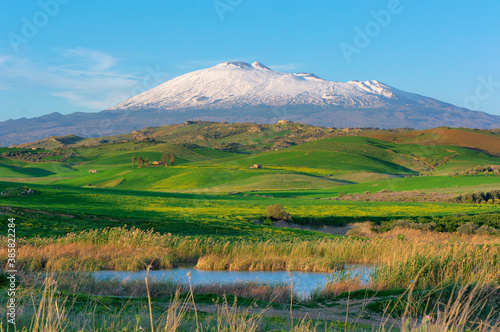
x=303 y=282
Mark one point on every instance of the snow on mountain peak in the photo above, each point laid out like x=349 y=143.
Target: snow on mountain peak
x=308 y=76
x=235 y=84
x=259 y=65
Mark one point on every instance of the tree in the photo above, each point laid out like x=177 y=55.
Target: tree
x=277 y=212
x=140 y=161
x=147 y=160
x=165 y=158
x=134 y=160
x=172 y=159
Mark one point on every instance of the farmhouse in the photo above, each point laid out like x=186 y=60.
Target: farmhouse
x=158 y=163
x=92 y=171
x=254 y=166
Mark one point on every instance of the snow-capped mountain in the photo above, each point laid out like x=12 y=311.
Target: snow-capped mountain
x=242 y=92
x=232 y=85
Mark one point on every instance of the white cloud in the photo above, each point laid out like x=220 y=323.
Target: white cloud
x=94 y=61
x=4 y=59
x=83 y=77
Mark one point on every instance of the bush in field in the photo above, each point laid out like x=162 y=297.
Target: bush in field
x=430 y=226
x=491 y=197
x=404 y=224
x=267 y=222
x=277 y=212
x=487 y=230
x=486 y=170
x=467 y=228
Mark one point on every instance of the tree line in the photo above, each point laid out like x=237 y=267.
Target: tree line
x=486 y=170
x=166 y=159
x=39 y=157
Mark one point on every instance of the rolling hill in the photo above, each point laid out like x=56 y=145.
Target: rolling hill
x=241 y=92
x=446 y=136
x=217 y=157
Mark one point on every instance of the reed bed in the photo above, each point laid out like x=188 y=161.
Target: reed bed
x=43 y=307
x=400 y=260
x=84 y=283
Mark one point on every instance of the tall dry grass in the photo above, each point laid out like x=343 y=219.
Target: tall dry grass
x=85 y=284
x=466 y=308
x=400 y=254
x=50 y=312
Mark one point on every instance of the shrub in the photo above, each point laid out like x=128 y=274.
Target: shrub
x=431 y=226
x=477 y=197
x=467 y=228
x=277 y=212
x=404 y=224
x=267 y=222
x=487 y=230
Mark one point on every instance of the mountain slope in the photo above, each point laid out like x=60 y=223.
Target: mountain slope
x=242 y=92
x=238 y=84
x=235 y=90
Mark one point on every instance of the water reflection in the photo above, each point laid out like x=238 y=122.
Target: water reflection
x=303 y=282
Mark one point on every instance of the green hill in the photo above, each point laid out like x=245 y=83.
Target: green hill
x=217 y=156
x=211 y=189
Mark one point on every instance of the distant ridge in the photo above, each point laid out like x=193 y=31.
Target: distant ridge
x=243 y=92
x=446 y=136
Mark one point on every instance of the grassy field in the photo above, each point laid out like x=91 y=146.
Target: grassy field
x=205 y=214
x=209 y=209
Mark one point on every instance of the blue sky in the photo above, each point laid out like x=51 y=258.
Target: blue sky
x=67 y=56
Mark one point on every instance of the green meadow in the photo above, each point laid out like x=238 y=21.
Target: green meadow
x=209 y=209
x=211 y=190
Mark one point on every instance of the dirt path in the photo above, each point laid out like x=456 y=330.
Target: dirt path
x=329 y=311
